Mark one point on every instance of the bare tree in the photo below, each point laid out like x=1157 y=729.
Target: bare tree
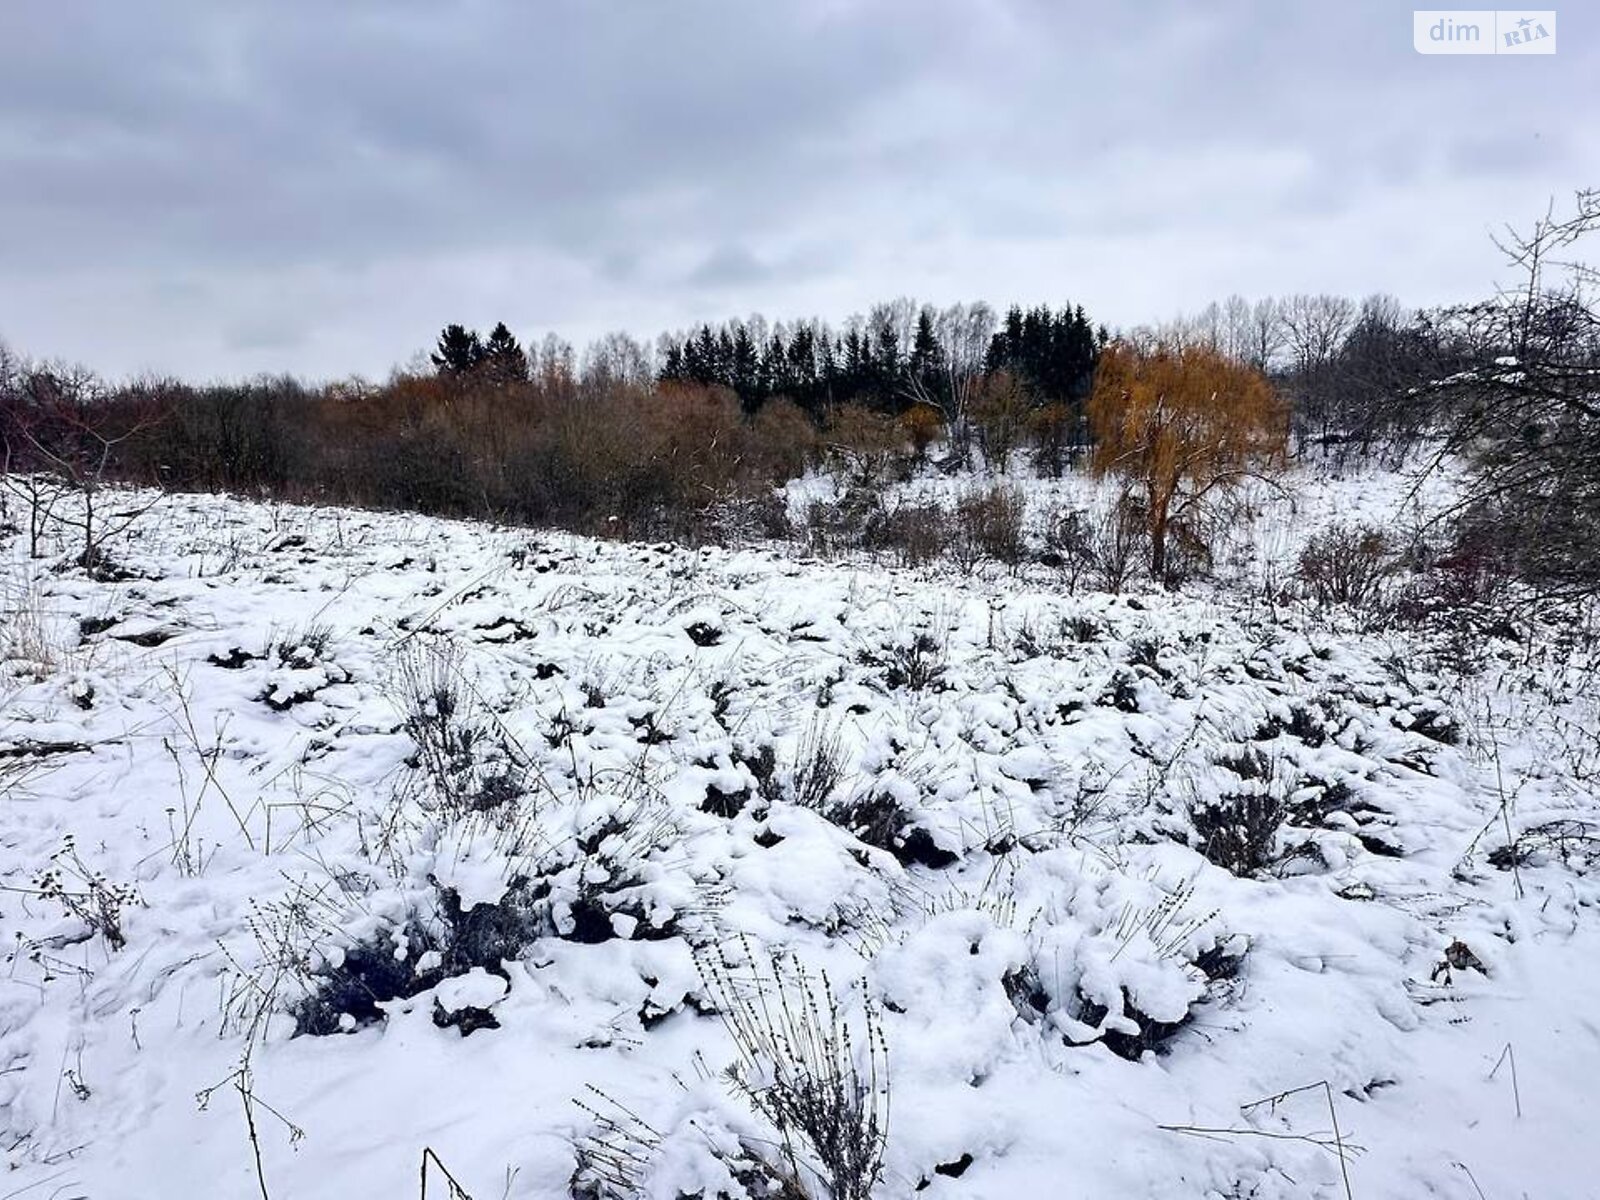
x=1000 y=408
x=895 y=320
x=37 y=492
x=618 y=358
x=963 y=332
x=1527 y=411
x=1315 y=328
x=1265 y=333
x=59 y=437
x=553 y=364
x=1235 y=342
x=1378 y=368
x=1207 y=327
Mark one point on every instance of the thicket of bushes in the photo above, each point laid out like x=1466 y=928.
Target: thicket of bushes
x=625 y=460
x=595 y=455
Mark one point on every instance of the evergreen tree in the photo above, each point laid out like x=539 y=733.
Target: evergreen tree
x=776 y=379
x=1054 y=353
x=744 y=368
x=926 y=365
x=459 y=351
x=502 y=358
x=722 y=370
x=828 y=372
x=705 y=358
x=884 y=370
x=802 y=369
x=673 y=369
x=855 y=375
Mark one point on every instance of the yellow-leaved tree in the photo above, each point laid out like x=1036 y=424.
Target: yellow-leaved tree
x=1181 y=422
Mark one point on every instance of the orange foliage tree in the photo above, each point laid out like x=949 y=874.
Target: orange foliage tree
x=1180 y=423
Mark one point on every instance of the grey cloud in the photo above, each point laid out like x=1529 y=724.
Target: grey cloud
x=729 y=266
x=379 y=169
x=268 y=332
x=1505 y=153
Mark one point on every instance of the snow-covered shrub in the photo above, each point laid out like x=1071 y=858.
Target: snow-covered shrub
x=465 y=1002
x=705 y=627
x=818 y=766
x=1120 y=543
x=607 y=880
x=1086 y=959
x=309 y=641
x=434 y=939
x=1069 y=545
x=1082 y=628
x=468 y=762
x=1145 y=652
x=236 y=658
x=733 y=520
x=1129 y=1024
x=1121 y=691
x=32 y=644
x=728 y=802
x=915 y=662
x=1348 y=564
x=594 y=865
x=346 y=990
x=819 y=1078
x=302 y=667
x=987 y=524
x=1462 y=585
x=916 y=533
x=704 y=1150
x=1238 y=828
x=806 y=774
x=1430 y=717
x=868 y=446
x=879 y=818
x=1189 y=548
x=1567 y=840
x=802 y=1113
x=1312 y=722
x=1131 y=967
x=835 y=527
x=890 y=806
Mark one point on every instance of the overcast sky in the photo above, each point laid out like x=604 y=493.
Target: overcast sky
x=222 y=188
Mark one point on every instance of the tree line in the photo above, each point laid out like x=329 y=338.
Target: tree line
x=1346 y=367
x=899 y=356
x=638 y=440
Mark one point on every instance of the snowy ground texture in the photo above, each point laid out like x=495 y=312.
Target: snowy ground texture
x=389 y=833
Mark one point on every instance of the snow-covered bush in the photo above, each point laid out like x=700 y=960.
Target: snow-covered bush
x=818 y=1077
x=1349 y=564
x=468 y=761
x=918 y=534
x=987 y=524
x=1238 y=827
x=303 y=667
x=1085 y=958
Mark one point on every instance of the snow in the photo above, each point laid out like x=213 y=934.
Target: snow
x=221 y=758
x=476 y=989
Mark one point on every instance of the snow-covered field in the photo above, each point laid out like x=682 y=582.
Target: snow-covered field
x=559 y=797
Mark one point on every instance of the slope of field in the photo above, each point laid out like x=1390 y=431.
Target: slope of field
x=365 y=833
